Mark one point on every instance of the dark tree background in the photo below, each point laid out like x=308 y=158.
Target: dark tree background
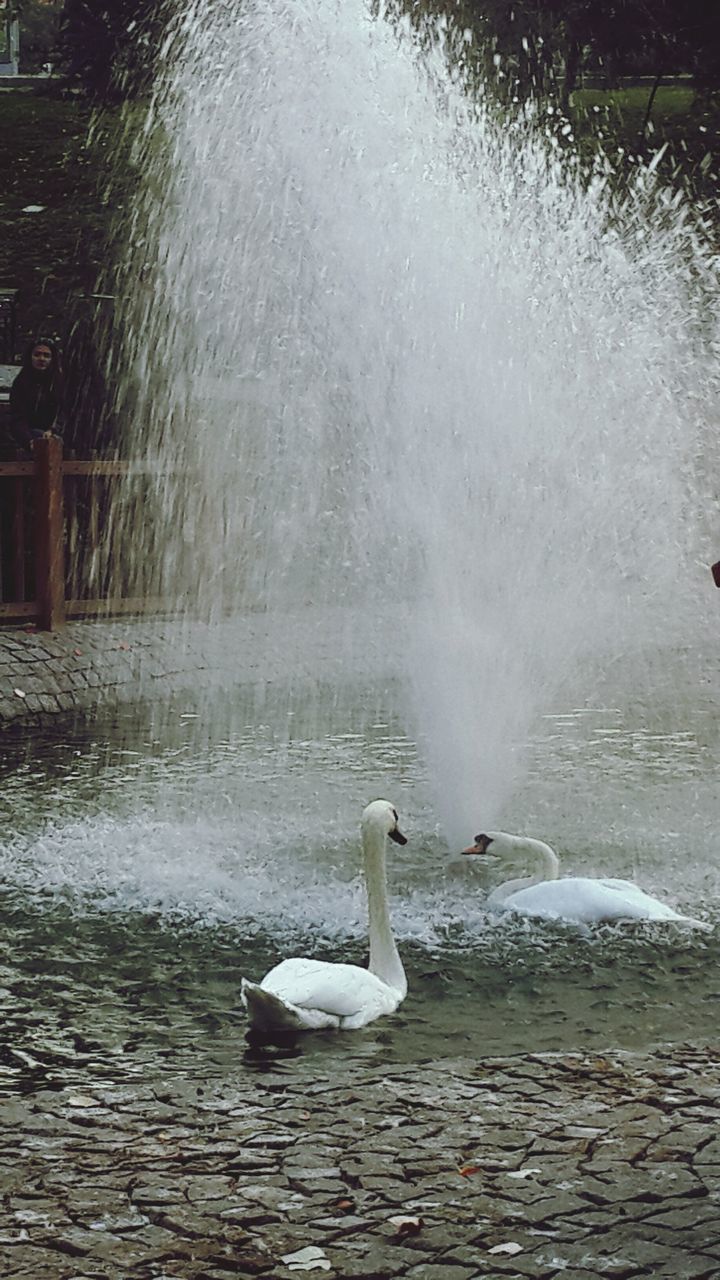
x=39 y=24
x=522 y=48
x=109 y=47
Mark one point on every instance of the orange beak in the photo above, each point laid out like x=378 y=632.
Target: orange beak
x=481 y=845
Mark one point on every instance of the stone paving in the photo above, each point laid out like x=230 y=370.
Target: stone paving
x=43 y=673
x=110 y=661
x=570 y=1166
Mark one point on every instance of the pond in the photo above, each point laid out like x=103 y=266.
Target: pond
x=156 y=853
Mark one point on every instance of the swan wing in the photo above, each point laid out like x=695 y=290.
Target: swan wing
x=638 y=904
x=642 y=906
x=344 y=990
x=624 y=886
x=572 y=899
x=587 y=901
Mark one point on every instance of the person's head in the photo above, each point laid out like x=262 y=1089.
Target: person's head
x=42 y=356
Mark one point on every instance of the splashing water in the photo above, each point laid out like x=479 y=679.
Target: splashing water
x=414 y=366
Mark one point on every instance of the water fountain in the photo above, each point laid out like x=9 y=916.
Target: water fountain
x=427 y=372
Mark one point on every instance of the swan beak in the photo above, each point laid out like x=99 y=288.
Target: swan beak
x=481 y=845
x=397 y=835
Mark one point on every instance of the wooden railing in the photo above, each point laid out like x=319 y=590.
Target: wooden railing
x=42 y=538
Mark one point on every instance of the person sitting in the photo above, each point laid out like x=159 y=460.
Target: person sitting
x=36 y=396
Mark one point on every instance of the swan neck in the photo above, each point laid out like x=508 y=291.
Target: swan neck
x=546 y=860
x=385 y=960
x=547 y=868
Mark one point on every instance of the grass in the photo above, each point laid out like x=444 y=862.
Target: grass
x=688 y=128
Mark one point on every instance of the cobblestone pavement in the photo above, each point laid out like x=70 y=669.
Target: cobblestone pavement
x=86 y=662
x=43 y=673
x=570 y=1166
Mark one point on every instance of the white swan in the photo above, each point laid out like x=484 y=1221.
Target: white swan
x=305 y=995
x=579 y=899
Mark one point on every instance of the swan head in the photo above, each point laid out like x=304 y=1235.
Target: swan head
x=499 y=844
x=492 y=844
x=383 y=816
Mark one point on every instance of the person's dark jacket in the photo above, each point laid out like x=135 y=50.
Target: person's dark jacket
x=36 y=398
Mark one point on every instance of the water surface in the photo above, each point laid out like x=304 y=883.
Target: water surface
x=155 y=854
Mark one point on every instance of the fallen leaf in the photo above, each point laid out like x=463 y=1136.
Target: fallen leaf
x=78 y=653
x=407 y=1226
x=344 y=1206
x=511 y=1247
x=467 y=1170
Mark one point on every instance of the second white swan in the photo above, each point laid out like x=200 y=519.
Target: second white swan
x=578 y=899
x=305 y=995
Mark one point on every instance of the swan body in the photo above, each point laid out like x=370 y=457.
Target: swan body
x=578 y=899
x=301 y=994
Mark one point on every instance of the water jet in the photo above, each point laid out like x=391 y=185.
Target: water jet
x=407 y=353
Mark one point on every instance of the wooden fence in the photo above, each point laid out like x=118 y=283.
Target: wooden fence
x=46 y=532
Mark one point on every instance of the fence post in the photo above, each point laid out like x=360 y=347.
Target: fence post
x=49 y=550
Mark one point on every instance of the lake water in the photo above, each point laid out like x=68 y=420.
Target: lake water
x=154 y=854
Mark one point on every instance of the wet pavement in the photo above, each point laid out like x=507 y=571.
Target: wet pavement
x=539 y=1165
x=44 y=673
x=109 y=661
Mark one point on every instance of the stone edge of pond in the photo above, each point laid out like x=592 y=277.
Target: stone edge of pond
x=98 y=661
x=45 y=673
